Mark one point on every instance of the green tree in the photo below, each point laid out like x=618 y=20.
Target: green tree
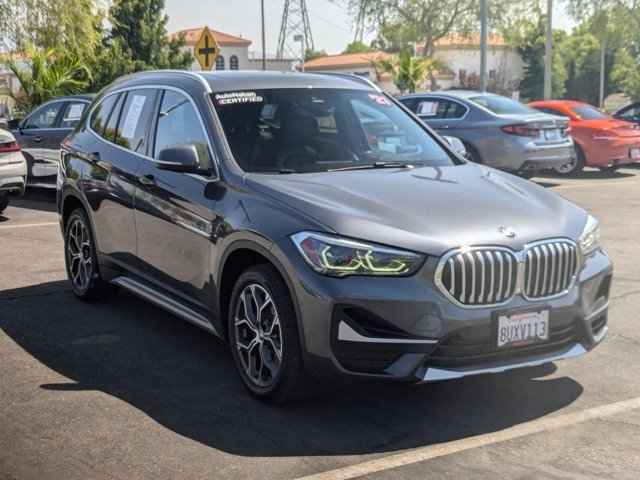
x=140 y=28
x=529 y=40
x=408 y=72
x=626 y=73
x=137 y=41
x=358 y=47
x=313 y=54
x=64 y=25
x=46 y=75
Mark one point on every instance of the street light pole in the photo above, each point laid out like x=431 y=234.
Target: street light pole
x=483 y=45
x=548 y=55
x=264 y=48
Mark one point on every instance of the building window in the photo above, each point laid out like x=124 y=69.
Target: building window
x=492 y=74
x=220 y=63
x=233 y=62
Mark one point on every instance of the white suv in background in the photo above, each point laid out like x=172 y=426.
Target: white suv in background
x=13 y=169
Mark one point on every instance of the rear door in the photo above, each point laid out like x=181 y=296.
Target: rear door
x=174 y=216
x=40 y=136
x=120 y=124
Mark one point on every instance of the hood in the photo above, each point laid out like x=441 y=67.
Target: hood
x=428 y=209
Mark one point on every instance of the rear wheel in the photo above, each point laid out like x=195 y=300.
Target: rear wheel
x=576 y=165
x=264 y=338
x=4 y=201
x=82 y=260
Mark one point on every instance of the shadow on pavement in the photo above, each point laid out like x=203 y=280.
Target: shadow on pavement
x=184 y=379
x=590 y=174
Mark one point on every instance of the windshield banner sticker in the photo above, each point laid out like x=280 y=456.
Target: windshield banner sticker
x=234 y=98
x=131 y=122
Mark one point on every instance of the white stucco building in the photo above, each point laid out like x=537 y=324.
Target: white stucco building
x=461 y=55
x=234 y=52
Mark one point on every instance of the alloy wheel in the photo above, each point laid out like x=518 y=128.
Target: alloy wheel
x=258 y=335
x=567 y=167
x=80 y=255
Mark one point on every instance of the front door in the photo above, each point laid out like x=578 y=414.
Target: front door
x=174 y=217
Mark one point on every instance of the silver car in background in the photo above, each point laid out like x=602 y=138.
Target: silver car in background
x=497 y=131
x=13 y=169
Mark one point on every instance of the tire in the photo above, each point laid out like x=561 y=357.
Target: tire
x=576 y=166
x=81 y=259
x=267 y=355
x=4 y=202
x=472 y=153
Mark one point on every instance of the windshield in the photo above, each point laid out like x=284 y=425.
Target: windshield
x=315 y=130
x=587 y=112
x=502 y=105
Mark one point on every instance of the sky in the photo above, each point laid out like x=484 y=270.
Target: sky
x=331 y=25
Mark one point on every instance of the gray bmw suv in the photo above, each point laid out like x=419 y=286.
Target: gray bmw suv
x=322 y=230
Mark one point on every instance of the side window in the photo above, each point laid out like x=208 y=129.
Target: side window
x=552 y=111
x=453 y=110
x=111 y=129
x=179 y=124
x=72 y=113
x=631 y=114
x=410 y=103
x=45 y=117
x=135 y=119
x=431 y=108
x=101 y=113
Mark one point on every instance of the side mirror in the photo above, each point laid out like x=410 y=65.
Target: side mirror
x=180 y=158
x=14 y=123
x=457 y=146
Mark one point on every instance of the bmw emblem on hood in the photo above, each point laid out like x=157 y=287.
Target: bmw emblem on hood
x=507 y=232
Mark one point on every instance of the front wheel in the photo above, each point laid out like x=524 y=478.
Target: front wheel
x=4 y=202
x=263 y=335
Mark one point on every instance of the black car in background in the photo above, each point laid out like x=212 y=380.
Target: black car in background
x=42 y=131
x=630 y=113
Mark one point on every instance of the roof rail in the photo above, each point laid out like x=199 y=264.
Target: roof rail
x=187 y=73
x=352 y=77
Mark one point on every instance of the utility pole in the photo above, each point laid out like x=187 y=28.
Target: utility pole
x=264 y=48
x=603 y=66
x=295 y=21
x=483 y=45
x=548 y=55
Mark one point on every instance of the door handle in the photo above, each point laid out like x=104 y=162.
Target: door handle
x=444 y=127
x=147 y=179
x=94 y=157
x=37 y=139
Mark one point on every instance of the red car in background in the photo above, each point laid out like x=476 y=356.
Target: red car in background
x=601 y=141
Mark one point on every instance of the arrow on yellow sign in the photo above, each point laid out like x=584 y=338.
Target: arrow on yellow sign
x=206 y=50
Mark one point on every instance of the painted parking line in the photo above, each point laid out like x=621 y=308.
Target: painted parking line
x=29 y=225
x=434 y=451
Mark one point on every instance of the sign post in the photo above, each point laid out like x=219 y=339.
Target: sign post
x=206 y=50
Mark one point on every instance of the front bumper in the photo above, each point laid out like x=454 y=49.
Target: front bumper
x=404 y=329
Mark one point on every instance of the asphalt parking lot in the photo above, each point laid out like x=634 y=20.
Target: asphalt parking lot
x=123 y=390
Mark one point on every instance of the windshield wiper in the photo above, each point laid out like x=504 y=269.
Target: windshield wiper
x=373 y=166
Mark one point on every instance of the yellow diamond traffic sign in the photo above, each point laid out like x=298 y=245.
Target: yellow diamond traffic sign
x=206 y=50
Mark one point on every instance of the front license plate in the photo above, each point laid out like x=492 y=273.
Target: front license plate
x=634 y=153
x=552 y=135
x=523 y=328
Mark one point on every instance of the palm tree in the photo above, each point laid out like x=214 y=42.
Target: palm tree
x=48 y=74
x=409 y=72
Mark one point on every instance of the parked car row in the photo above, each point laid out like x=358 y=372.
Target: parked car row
x=561 y=135
x=323 y=231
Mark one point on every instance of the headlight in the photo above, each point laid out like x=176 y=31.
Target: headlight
x=590 y=238
x=340 y=257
